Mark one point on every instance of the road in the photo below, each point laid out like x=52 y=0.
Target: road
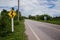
x=42 y=31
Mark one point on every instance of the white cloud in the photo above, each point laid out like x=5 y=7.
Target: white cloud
x=9 y=3
x=41 y=7
x=34 y=7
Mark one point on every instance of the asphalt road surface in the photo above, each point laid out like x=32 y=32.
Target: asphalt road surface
x=41 y=30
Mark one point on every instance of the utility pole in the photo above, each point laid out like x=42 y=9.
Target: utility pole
x=18 y=11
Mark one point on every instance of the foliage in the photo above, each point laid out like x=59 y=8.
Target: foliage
x=56 y=18
x=37 y=17
x=40 y=17
x=19 y=33
x=31 y=17
x=20 y=17
x=5 y=22
x=48 y=17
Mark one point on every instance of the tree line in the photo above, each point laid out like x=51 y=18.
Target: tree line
x=41 y=17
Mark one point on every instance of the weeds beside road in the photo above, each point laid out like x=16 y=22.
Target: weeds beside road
x=19 y=33
x=51 y=21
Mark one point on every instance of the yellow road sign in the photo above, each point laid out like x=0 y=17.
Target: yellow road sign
x=12 y=13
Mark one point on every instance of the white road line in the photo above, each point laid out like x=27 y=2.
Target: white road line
x=33 y=32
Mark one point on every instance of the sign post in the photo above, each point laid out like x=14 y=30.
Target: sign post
x=45 y=18
x=12 y=14
x=12 y=22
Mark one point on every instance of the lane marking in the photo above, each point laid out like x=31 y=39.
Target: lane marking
x=33 y=32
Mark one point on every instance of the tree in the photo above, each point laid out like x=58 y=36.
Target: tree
x=4 y=23
x=48 y=17
x=32 y=17
x=37 y=17
x=29 y=16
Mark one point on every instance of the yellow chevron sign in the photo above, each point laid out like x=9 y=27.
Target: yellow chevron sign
x=12 y=13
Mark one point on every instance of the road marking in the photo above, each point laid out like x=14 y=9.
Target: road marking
x=33 y=32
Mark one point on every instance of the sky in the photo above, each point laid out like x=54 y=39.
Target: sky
x=33 y=7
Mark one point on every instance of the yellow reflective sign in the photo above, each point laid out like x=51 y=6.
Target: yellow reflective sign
x=12 y=13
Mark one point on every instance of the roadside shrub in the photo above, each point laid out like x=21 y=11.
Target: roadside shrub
x=5 y=23
x=48 y=17
x=16 y=23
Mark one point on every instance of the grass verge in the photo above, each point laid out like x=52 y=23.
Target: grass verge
x=50 y=21
x=54 y=22
x=19 y=33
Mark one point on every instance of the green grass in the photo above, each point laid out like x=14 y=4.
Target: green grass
x=54 y=22
x=19 y=33
x=51 y=21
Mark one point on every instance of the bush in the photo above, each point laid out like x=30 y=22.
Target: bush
x=5 y=24
x=41 y=17
x=16 y=22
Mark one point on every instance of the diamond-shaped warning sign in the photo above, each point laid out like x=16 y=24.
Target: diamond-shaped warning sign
x=12 y=13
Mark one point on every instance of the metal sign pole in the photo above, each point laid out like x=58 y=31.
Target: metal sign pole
x=12 y=21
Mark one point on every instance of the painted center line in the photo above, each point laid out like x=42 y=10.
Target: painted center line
x=33 y=32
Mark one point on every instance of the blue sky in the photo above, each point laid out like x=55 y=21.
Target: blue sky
x=33 y=7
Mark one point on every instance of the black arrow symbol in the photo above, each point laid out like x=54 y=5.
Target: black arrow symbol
x=12 y=13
